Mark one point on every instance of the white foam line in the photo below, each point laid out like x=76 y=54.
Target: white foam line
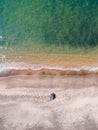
x=23 y=66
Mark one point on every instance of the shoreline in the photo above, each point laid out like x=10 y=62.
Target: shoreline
x=51 y=64
x=15 y=69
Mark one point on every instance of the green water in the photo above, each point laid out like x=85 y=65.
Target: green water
x=47 y=22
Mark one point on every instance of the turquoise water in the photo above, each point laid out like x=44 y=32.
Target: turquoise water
x=66 y=22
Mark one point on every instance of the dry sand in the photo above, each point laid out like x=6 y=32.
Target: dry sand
x=24 y=105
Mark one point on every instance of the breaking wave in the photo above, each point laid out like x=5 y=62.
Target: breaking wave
x=21 y=68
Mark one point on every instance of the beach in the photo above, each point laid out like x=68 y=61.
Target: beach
x=48 y=65
x=24 y=91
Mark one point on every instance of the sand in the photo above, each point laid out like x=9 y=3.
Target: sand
x=24 y=104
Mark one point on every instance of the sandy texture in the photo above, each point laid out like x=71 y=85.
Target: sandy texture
x=51 y=72
x=24 y=105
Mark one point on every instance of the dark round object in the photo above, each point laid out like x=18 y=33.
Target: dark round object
x=52 y=96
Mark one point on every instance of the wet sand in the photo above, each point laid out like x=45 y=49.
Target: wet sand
x=47 y=72
x=24 y=104
x=12 y=69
